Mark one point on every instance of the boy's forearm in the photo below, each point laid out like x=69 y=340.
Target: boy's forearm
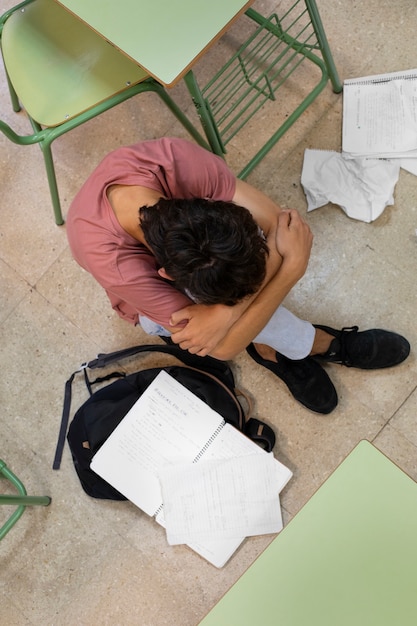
x=273 y=264
x=254 y=317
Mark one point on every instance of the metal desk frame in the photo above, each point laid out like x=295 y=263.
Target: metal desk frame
x=257 y=70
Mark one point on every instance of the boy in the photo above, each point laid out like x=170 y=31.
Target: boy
x=188 y=251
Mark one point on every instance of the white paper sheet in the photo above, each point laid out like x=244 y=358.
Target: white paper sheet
x=410 y=165
x=215 y=551
x=361 y=187
x=168 y=424
x=379 y=115
x=227 y=498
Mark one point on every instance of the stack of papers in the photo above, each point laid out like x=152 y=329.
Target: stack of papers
x=203 y=480
x=379 y=136
x=379 y=116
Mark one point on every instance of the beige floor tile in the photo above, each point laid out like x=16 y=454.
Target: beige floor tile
x=33 y=241
x=102 y=578
x=201 y=582
x=405 y=419
x=399 y=449
x=13 y=289
x=10 y=612
x=40 y=349
x=73 y=292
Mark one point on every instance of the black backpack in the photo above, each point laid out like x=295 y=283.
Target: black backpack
x=209 y=379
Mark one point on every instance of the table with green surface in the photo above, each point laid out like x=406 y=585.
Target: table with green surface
x=165 y=38
x=348 y=558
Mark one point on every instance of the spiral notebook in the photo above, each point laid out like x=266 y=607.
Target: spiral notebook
x=169 y=425
x=379 y=116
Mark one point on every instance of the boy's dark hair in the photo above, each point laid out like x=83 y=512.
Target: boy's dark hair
x=213 y=250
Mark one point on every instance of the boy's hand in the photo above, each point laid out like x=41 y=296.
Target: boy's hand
x=294 y=240
x=206 y=326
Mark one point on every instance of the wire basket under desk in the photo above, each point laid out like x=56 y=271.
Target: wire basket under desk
x=264 y=63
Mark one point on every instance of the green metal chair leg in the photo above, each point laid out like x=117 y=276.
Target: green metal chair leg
x=25 y=500
x=181 y=117
x=324 y=45
x=53 y=187
x=255 y=160
x=204 y=114
x=22 y=500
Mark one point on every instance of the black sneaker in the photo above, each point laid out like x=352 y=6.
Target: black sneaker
x=305 y=378
x=368 y=350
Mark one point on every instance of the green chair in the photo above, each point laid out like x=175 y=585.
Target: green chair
x=64 y=74
x=21 y=501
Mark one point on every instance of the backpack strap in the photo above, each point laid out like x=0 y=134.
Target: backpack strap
x=206 y=363
x=261 y=433
x=64 y=421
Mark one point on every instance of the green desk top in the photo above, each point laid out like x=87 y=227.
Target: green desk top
x=348 y=558
x=163 y=36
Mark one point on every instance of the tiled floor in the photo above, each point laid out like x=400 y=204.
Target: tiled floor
x=82 y=562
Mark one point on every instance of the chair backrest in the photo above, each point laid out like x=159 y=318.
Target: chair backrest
x=58 y=66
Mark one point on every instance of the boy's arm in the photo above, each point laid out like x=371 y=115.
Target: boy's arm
x=264 y=210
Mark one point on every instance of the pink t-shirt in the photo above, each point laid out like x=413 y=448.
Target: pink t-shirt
x=125 y=268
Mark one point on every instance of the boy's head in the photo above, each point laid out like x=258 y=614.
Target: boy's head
x=213 y=250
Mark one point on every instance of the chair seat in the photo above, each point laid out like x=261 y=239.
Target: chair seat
x=58 y=66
